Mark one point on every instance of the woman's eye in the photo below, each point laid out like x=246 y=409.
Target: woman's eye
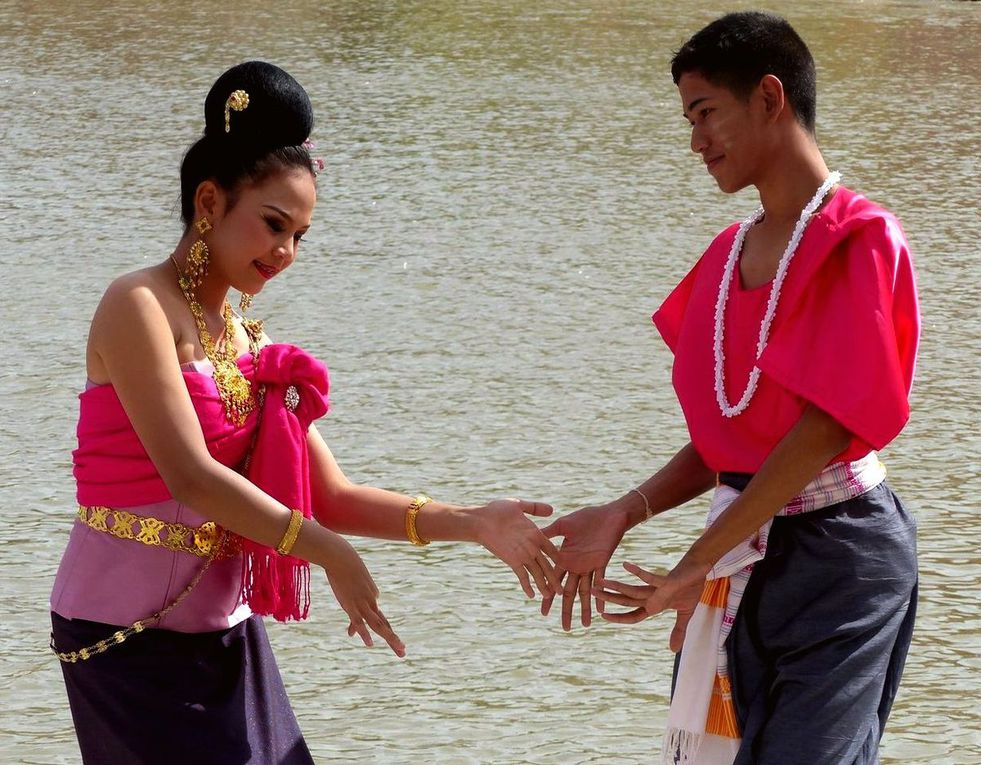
x=297 y=238
x=274 y=225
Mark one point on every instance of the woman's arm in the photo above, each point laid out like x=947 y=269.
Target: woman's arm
x=502 y=526
x=132 y=337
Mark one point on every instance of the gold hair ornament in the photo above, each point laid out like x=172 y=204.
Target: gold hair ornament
x=238 y=101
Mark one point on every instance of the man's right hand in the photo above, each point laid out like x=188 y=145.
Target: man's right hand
x=590 y=537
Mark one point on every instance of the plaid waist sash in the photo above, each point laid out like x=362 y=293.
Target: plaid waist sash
x=702 y=727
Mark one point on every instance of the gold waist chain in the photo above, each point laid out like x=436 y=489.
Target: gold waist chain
x=207 y=541
x=120 y=636
x=177 y=537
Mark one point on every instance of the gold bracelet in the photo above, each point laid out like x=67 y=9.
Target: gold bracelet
x=292 y=532
x=410 y=519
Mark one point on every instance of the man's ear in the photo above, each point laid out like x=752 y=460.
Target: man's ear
x=774 y=99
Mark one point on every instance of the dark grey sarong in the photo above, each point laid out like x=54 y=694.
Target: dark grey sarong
x=823 y=629
x=179 y=698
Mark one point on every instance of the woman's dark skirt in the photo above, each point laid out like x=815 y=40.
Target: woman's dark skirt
x=179 y=698
x=821 y=637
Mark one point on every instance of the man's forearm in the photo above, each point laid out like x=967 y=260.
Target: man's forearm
x=684 y=477
x=803 y=453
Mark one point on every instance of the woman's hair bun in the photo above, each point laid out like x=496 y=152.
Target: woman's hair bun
x=267 y=135
x=278 y=114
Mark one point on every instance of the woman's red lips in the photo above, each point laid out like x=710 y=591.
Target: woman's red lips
x=266 y=272
x=710 y=163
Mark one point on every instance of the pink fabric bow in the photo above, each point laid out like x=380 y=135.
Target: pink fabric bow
x=296 y=387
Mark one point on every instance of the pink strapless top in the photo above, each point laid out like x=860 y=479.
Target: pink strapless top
x=117 y=581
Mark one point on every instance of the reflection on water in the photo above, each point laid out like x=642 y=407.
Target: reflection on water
x=509 y=194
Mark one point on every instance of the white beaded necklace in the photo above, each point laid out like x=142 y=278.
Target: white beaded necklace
x=771 y=307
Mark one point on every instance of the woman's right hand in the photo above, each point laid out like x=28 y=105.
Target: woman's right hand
x=357 y=594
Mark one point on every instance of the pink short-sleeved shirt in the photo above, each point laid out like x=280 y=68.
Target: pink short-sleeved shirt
x=844 y=338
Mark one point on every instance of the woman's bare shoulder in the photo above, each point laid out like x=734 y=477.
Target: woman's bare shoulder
x=143 y=287
x=138 y=304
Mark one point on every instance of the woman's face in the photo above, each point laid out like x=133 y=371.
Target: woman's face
x=259 y=236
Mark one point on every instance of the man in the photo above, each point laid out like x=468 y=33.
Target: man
x=795 y=339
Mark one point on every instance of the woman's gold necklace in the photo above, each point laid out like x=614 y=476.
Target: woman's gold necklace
x=233 y=389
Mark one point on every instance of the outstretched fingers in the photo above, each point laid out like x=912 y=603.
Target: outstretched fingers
x=541 y=509
x=627 y=617
x=603 y=596
x=638 y=592
x=585 y=599
x=600 y=577
x=540 y=575
x=542 y=540
x=373 y=620
x=381 y=626
x=547 y=600
x=569 y=591
x=358 y=627
x=548 y=548
x=631 y=596
x=530 y=563
x=551 y=574
x=522 y=573
x=655 y=580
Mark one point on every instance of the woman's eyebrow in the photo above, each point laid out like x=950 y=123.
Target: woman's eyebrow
x=281 y=212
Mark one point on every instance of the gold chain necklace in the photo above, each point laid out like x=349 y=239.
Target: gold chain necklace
x=233 y=388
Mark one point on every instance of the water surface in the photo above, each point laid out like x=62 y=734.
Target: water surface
x=509 y=195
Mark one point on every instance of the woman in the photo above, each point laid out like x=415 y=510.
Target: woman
x=204 y=491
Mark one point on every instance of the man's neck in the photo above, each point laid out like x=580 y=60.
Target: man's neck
x=791 y=180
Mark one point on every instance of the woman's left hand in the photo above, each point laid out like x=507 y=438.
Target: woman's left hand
x=679 y=590
x=503 y=527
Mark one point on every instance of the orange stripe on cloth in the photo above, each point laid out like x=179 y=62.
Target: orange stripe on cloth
x=716 y=592
x=722 y=713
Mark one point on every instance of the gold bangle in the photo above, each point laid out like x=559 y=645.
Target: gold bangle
x=292 y=532
x=410 y=519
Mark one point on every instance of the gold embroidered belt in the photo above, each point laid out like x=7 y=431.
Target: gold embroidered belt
x=177 y=537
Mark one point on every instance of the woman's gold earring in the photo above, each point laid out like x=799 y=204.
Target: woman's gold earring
x=197 y=258
x=197 y=264
x=245 y=303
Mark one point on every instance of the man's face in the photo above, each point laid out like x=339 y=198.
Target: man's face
x=726 y=130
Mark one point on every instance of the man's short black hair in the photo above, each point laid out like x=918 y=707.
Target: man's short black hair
x=739 y=49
